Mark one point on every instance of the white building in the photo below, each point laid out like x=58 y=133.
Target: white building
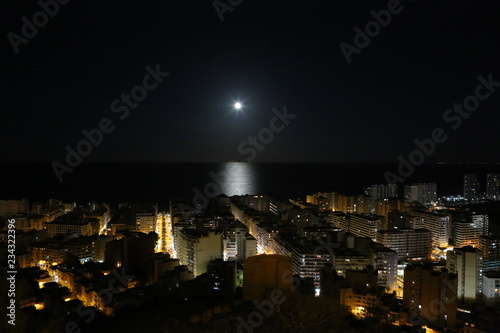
x=250 y=246
x=145 y=222
x=421 y=192
x=469 y=231
x=365 y=225
x=438 y=224
x=308 y=257
x=408 y=243
x=196 y=250
x=383 y=191
x=467 y=263
x=491 y=288
x=234 y=242
x=385 y=261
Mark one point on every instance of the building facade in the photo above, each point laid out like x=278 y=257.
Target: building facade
x=430 y=295
x=439 y=225
x=408 y=243
x=493 y=186
x=365 y=225
x=491 y=288
x=421 y=192
x=196 y=250
x=471 y=187
x=467 y=264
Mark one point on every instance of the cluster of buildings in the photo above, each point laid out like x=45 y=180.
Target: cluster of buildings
x=397 y=250
x=440 y=262
x=472 y=187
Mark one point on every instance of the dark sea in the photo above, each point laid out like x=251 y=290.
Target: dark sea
x=116 y=182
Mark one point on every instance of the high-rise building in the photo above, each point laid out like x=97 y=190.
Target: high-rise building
x=222 y=277
x=145 y=222
x=358 y=300
x=134 y=252
x=196 y=249
x=234 y=242
x=430 y=295
x=263 y=203
x=467 y=263
x=468 y=231
x=471 y=187
x=302 y=217
x=345 y=204
x=377 y=192
x=364 y=279
x=491 y=288
x=350 y=259
x=421 y=192
x=490 y=245
x=385 y=261
x=53 y=250
x=408 y=243
x=398 y=220
x=83 y=227
x=28 y=222
x=493 y=186
x=439 y=224
x=364 y=205
x=101 y=216
x=360 y=290
x=264 y=274
x=339 y=220
x=482 y=222
x=308 y=257
x=162 y=265
x=250 y=246
x=491 y=264
x=250 y=219
x=265 y=233
x=384 y=206
x=365 y=225
x=324 y=200
x=100 y=247
x=9 y=208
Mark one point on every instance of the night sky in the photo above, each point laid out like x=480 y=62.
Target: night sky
x=265 y=54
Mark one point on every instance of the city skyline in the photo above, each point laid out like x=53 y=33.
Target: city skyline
x=325 y=247
x=240 y=166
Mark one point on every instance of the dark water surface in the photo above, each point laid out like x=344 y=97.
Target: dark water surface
x=158 y=181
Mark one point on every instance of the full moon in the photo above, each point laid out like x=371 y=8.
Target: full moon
x=237 y=106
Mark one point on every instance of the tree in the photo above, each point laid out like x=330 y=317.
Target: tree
x=377 y=318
